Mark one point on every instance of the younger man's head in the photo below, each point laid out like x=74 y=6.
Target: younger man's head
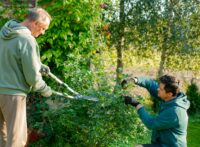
x=168 y=87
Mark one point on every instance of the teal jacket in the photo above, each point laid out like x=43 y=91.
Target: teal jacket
x=169 y=126
x=19 y=61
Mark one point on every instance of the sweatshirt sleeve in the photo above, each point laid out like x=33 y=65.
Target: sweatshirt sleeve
x=31 y=64
x=150 y=85
x=165 y=120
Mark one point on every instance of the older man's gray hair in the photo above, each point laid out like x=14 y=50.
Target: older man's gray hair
x=38 y=14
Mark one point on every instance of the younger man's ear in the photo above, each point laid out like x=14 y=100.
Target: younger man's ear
x=170 y=94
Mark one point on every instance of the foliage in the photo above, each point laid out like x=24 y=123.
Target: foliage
x=84 y=123
x=132 y=59
x=70 y=33
x=179 y=62
x=3 y=18
x=72 y=47
x=194 y=97
x=69 y=47
x=166 y=26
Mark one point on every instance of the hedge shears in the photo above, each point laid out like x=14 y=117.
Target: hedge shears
x=63 y=94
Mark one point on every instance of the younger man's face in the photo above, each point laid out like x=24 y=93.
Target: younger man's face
x=162 y=93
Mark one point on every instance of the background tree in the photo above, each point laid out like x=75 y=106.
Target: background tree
x=163 y=26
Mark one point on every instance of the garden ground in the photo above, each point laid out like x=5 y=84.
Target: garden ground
x=194 y=132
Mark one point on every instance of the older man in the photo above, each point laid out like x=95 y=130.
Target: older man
x=170 y=124
x=20 y=73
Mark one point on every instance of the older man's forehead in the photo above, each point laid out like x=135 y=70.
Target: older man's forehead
x=45 y=24
x=47 y=21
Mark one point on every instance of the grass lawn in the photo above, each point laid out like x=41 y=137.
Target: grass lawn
x=193 y=137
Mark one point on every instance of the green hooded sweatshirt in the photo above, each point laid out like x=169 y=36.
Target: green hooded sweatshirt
x=19 y=61
x=170 y=124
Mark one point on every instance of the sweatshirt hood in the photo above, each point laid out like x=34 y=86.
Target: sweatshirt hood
x=12 y=29
x=180 y=101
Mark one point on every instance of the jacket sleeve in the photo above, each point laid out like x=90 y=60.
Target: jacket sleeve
x=150 y=85
x=31 y=64
x=165 y=120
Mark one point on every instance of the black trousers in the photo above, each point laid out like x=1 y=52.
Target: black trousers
x=148 y=145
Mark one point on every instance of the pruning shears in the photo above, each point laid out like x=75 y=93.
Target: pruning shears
x=76 y=94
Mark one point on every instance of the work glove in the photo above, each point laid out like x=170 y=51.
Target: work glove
x=127 y=80
x=130 y=101
x=44 y=70
x=47 y=93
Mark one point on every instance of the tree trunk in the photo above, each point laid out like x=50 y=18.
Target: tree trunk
x=166 y=44
x=120 y=44
x=162 y=62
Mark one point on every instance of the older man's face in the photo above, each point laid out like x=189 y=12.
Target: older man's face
x=39 y=28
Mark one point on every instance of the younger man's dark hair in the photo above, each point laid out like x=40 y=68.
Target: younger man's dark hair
x=171 y=84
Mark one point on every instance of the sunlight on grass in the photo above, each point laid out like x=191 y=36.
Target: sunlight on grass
x=194 y=132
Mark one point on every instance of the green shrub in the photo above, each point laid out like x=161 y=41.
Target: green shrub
x=194 y=97
x=84 y=123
